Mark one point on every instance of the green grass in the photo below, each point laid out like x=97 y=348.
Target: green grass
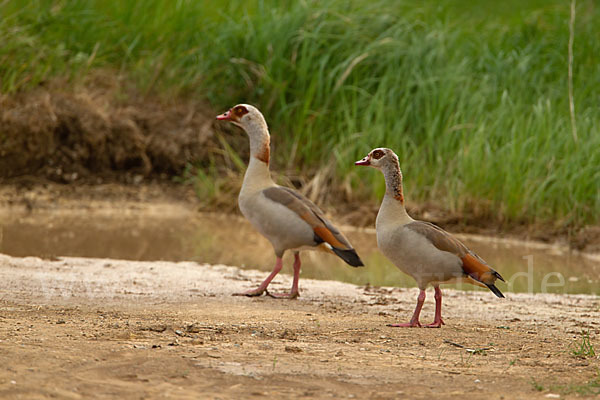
x=536 y=386
x=471 y=95
x=584 y=348
x=589 y=388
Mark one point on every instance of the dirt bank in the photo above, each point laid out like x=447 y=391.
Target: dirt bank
x=101 y=129
x=89 y=328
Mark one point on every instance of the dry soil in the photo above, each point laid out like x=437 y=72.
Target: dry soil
x=101 y=328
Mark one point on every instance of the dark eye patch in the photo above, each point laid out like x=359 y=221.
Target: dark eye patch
x=240 y=110
x=377 y=154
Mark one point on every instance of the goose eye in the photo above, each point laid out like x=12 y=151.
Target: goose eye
x=377 y=154
x=240 y=110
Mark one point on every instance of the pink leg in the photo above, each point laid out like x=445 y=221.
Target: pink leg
x=437 y=320
x=263 y=286
x=294 y=292
x=414 y=321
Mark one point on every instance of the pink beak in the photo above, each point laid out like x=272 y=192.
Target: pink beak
x=226 y=116
x=365 y=161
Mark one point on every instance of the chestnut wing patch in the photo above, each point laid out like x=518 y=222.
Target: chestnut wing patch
x=310 y=213
x=472 y=264
x=478 y=270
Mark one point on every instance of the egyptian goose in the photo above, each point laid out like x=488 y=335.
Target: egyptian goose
x=286 y=218
x=420 y=249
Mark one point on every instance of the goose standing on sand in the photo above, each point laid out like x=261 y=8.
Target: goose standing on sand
x=420 y=249
x=285 y=217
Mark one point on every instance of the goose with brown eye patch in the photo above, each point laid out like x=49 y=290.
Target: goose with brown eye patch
x=373 y=158
x=426 y=252
x=285 y=217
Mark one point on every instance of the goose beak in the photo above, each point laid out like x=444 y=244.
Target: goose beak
x=365 y=161
x=226 y=116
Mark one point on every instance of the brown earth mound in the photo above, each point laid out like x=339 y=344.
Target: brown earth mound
x=99 y=129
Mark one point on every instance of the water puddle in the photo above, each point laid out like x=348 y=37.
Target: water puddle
x=210 y=238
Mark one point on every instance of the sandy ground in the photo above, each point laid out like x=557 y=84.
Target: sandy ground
x=100 y=328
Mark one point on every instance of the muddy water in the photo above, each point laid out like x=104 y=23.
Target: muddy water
x=178 y=236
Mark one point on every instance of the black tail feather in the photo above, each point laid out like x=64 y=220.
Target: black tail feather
x=495 y=290
x=499 y=276
x=349 y=256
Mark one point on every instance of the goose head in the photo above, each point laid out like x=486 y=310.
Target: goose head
x=379 y=158
x=246 y=117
